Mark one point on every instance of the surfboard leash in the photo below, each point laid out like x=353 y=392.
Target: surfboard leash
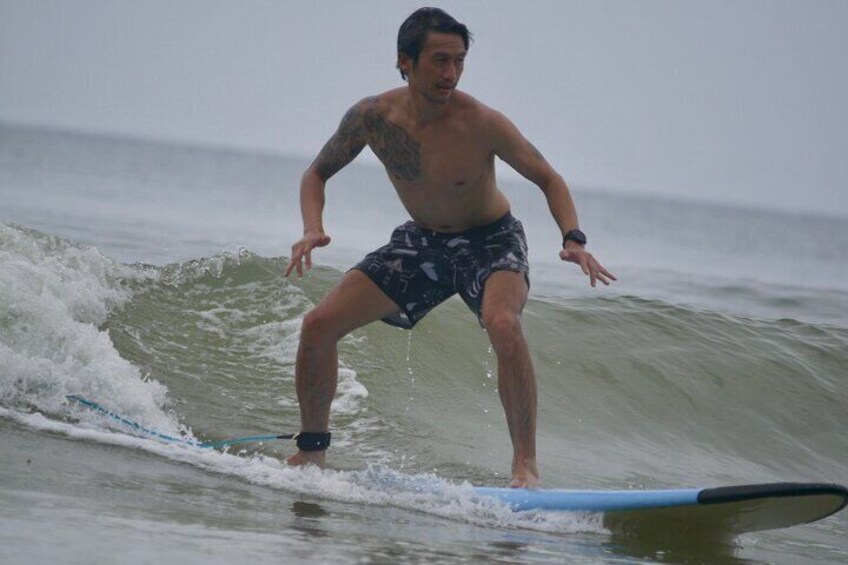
x=90 y=404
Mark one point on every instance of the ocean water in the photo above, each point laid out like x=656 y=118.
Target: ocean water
x=148 y=277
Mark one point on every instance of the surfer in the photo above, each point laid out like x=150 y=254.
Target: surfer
x=438 y=146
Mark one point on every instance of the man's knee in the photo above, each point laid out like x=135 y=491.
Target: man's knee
x=504 y=329
x=319 y=328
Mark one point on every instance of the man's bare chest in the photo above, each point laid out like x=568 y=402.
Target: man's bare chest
x=440 y=156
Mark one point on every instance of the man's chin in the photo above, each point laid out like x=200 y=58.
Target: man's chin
x=440 y=98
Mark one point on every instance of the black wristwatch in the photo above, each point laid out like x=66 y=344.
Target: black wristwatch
x=574 y=235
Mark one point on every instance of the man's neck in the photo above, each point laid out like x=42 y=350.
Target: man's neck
x=424 y=112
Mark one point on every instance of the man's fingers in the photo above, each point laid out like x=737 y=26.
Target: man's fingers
x=294 y=262
x=606 y=273
x=590 y=266
x=302 y=250
x=602 y=274
x=292 y=265
x=584 y=264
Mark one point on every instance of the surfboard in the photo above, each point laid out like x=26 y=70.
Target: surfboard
x=724 y=511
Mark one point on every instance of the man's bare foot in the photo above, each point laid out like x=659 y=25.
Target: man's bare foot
x=525 y=475
x=307 y=458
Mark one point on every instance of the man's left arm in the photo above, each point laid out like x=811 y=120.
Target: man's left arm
x=513 y=148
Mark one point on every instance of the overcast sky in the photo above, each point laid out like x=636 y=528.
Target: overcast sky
x=740 y=101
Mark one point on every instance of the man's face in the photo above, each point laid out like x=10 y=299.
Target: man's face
x=439 y=66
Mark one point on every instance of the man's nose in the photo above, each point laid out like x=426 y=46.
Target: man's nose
x=451 y=72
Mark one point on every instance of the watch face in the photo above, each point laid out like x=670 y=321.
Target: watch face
x=576 y=235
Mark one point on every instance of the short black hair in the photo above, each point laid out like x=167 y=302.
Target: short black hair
x=413 y=32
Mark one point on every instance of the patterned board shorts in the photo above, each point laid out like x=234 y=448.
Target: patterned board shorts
x=419 y=269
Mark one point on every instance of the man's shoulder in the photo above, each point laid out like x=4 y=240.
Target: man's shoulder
x=381 y=102
x=482 y=114
x=472 y=105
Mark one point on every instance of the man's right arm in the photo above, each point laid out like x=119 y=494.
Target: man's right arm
x=522 y=156
x=340 y=149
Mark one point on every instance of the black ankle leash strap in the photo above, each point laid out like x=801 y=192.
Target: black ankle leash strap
x=312 y=441
x=309 y=441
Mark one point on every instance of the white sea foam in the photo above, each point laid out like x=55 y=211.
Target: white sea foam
x=53 y=297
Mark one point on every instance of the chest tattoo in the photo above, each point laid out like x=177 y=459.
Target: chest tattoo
x=399 y=153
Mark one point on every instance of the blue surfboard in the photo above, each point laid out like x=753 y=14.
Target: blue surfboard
x=728 y=510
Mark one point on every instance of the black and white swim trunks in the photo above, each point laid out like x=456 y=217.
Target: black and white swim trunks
x=419 y=269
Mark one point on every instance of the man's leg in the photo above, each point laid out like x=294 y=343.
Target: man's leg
x=354 y=302
x=503 y=301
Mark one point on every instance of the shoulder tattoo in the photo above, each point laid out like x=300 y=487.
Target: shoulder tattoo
x=343 y=146
x=396 y=149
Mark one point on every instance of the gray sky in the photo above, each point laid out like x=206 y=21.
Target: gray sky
x=739 y=101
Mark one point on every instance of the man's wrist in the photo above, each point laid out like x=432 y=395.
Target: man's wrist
x=573 y=246
x=574 y=236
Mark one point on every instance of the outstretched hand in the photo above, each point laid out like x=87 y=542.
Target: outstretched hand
x=302 y=251
x=575 y=253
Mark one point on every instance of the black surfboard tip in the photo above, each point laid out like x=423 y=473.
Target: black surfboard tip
x=741 y=493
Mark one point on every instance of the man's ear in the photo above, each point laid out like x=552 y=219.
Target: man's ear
x=405 y=63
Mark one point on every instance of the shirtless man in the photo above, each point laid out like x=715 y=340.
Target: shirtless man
x=439 y=147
